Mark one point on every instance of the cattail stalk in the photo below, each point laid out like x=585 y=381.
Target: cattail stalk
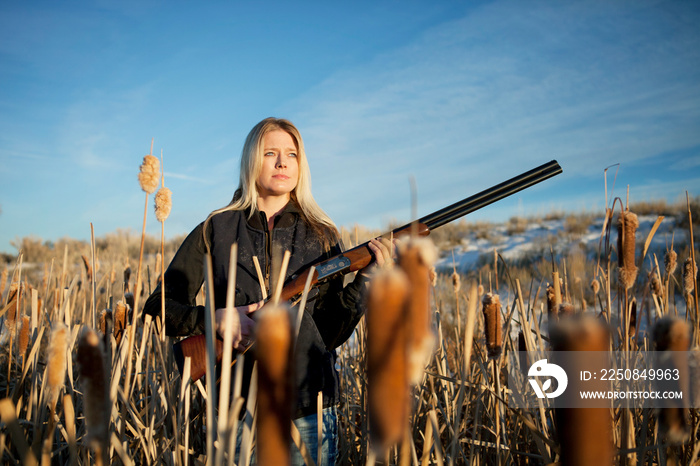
x=149 y=176
x=163 y=205
x=455 y=288
x=274 y=355
x=93 y=377
x=387 y=359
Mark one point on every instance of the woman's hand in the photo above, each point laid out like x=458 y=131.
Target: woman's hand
x=243 y=325
x=384 y=253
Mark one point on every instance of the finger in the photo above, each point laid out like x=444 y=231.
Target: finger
x=386 y=247
x=376 y=250
x=383 y=252
x=254 y=307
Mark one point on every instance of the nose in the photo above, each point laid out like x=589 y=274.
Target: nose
x=280 y=162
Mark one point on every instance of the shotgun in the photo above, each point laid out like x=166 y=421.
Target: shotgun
x=360 y=256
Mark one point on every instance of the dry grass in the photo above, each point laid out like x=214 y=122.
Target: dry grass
x=457 y=413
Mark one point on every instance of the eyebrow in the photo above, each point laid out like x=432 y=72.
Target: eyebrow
x=292 y=149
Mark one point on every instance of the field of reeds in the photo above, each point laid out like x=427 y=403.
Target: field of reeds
x=85 y=379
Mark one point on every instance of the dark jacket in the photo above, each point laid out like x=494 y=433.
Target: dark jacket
x=331 y=314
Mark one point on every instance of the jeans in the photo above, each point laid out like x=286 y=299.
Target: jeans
x=308 y=430
x=309 y=434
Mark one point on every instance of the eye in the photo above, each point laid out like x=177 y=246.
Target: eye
x=292 y=154
x=269 y=154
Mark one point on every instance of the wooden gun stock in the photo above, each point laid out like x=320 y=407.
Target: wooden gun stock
x=360 y=256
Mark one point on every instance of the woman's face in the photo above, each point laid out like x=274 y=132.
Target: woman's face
x=280 y=167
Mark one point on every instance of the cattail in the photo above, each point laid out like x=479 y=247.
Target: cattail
x=416 y=258
x=387 y=359
x=565 y=309
x=149 y=174
x=671 y=337
x=670 y=262
x=655 y=285
x=3 y=281
x=585 y=434
x=690 y=272
x=120 y=319
x=671 y=334
x=24 y=335
x=127 y=277
x=552 y=306
x=595 y=286
x=14 y=298
x=274 y=356
x=455 y=282
x=433 y=277
x=480 y=290
x=93 y=379
x=88 y=267
x=492 y=322
x=626 y=229
x=105 y=319
x=129 y=300
x=56 y=364
x=163 y=203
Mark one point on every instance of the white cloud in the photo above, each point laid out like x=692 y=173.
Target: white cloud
x=507 y=87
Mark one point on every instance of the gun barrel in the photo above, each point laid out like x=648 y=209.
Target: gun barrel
x=491 y=195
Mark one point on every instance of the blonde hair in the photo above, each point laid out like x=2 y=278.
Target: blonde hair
x=246 y=196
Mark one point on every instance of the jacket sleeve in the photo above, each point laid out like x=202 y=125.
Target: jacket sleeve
x=339 y=308
x=183 y=280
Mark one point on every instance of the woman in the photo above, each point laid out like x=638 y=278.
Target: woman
x=272 y=211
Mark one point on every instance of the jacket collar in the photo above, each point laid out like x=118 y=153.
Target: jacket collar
x=285 y=219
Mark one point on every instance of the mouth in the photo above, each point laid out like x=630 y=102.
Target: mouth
x=281 y=177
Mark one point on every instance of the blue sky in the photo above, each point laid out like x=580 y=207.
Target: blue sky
x=457 y=95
